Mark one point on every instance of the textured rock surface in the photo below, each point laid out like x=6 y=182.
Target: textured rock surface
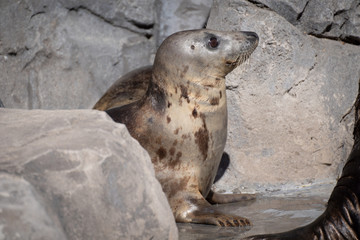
x=181 y=15
x=75 y=174
x=288 y=106
x=336 y=19
x=23 y=213
x=65 y=54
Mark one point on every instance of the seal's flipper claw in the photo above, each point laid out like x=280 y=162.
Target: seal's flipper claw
x=211 y=216
x=200 y=211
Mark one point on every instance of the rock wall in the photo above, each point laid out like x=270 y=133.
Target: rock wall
x=180 y=15
x=64 y=54
x=288 y=106
x=75 y=174
x=332 y=19
x=290 y=118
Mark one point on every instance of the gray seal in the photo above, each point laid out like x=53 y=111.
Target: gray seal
x=181 y=117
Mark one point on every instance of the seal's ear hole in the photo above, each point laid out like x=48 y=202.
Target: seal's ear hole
x=213 y=42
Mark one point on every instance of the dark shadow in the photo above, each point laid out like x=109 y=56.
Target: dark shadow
x=206 y=21
x=1 y=104
x=224 y=164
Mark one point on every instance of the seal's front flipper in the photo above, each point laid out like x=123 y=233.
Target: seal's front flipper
x=214 y=197
x=200 y=211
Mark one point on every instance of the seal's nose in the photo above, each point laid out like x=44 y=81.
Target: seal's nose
x=251 y=36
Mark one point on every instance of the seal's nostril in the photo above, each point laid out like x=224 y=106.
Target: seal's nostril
x=251 y=35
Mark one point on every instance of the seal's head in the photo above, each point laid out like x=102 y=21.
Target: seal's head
x=203 y=54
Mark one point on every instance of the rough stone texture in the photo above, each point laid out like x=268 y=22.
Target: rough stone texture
x=176 y=16
x=65 y=54
x=288 y=107
x=136 y=15
x=75 y=174
x=335 y=19
x=23 y=214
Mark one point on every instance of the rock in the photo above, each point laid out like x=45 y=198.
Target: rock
x=137 y=15
x=65 y=54
x=23 y=213
x=334 y=19
x=290 y=122
x=290 y=10
x=80 y=176
x=182 y=15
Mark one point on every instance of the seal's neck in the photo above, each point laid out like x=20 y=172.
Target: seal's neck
x=198 y=89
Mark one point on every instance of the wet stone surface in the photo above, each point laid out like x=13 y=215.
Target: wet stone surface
x=276 y=212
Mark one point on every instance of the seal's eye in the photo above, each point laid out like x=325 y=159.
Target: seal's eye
x=213 y=42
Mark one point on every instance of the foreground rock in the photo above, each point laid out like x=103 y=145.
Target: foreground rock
x=77 y=175
x=288 y=108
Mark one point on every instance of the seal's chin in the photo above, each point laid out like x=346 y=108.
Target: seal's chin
x=239 y=59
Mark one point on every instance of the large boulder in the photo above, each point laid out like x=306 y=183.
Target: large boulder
x=75 y=174
x=23 y=212
x=290 y=119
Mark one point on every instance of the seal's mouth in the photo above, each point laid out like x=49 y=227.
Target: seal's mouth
x=242 y=57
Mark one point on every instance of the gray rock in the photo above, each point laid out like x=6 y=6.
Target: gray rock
x=290 y=123
x=136 y=15
x=175 y=16
x=335 y=19
x=23 y=212
x=65 y=55
x=81 y=175
x=289 y=9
